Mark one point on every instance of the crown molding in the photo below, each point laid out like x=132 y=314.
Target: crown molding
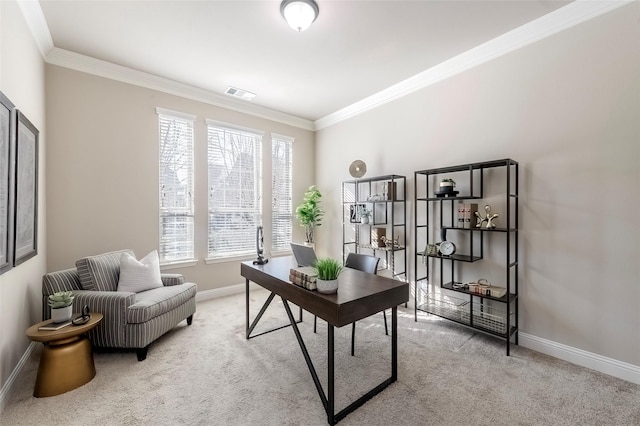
x=34 y=18
x=89 y=65
x=559 y=20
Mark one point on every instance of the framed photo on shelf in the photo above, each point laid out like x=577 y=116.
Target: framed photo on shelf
x=26 y=196
x=355 y=212
x=6 y=183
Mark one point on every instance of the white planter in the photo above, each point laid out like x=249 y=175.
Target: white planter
x=364 y=219
x=62 y=314
x=327 y=287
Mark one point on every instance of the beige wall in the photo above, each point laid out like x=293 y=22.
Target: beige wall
x=22 y=80
x=102 y=170
x=567 y=109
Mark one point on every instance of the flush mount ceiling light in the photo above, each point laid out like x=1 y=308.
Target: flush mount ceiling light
x=299 y=14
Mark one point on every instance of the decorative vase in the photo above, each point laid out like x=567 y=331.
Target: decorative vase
x=364 y=220
x=327 y=287
x=62 y=314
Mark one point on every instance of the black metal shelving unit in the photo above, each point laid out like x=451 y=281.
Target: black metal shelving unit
x=439 y=288
x=385 y=198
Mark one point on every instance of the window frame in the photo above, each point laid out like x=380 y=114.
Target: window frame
x=256 y=210
x=189 y=210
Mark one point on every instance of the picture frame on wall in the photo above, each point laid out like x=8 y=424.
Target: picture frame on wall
x=6 y=182
x=26 y=194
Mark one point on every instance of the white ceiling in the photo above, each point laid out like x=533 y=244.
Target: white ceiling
x=354 y=50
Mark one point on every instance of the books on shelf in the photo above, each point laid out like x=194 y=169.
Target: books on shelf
x=304 y=276
x=467 y=215
x=484 y=290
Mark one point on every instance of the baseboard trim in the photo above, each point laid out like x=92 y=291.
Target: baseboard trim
x=610 y=366
x=7 y=389
x=230 y=290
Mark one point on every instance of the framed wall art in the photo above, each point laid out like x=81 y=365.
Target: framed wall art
x=6 y=183
x=26 y=196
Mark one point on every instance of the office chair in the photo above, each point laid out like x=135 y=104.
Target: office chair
x=364 y=263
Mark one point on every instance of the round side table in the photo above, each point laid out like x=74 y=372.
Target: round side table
x=66 y=362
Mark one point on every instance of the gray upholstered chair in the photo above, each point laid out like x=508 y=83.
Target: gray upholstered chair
x=131 y=320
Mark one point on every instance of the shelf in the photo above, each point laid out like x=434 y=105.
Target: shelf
x=461 y=197
x=375 y=179
x=434 y=214
x=458 y=257
x=370 y=247
x=497 y=229
x=490 y=319
x=504 y=299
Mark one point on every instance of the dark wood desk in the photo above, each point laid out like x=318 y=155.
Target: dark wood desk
x=359 y=296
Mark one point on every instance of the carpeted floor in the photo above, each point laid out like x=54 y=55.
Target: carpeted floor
x=209 y=374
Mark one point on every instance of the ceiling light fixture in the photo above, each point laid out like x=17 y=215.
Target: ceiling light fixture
x=299 y=14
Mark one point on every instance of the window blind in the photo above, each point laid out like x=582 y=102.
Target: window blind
x=235 y=174
x=176 y=186
x=281 y=189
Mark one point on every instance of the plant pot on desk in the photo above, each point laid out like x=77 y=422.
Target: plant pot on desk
x=327 y=286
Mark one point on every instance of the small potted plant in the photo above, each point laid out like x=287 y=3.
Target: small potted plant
x=61 y=304
x=447 y=187
x=309 y=212
x=327 y=271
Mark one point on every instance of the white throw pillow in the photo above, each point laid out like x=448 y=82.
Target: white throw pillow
x=137 y=276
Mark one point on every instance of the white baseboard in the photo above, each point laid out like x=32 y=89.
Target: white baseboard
x=610 y=366
x=201 y=296
x=6 y=390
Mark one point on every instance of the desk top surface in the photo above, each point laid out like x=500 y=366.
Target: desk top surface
x=359 y=294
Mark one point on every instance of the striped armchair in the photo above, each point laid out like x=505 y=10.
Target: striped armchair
x=131 y=320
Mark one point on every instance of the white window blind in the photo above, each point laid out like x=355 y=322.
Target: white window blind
x=281 y=189
x=235 y=174
x=176 y=186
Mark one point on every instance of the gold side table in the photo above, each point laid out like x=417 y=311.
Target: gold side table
x=66 y=362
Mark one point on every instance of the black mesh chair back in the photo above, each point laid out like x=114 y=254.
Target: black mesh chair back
x=362 y=262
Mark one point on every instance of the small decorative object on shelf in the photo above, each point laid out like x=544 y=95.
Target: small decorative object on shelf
x=488 y=217
x=364 y=216
x=447 y=187
x=327 y=271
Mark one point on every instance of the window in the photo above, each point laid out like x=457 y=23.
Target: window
x=235 y=194
x=176 y=186
x=281 y=190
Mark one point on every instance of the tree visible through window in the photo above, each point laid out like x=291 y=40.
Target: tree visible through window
x=176 y=186
x=235 y=190
x=281 y=190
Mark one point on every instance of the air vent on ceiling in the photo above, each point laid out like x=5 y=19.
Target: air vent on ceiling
x=239 y=93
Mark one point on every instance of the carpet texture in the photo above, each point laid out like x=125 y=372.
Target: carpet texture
x=209 y=374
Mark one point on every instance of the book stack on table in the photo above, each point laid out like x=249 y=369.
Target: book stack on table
x=304 y=276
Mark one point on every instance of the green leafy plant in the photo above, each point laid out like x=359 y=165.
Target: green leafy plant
x=309 y=213
x=61 y=299
x=449 y=180
x=327 y=269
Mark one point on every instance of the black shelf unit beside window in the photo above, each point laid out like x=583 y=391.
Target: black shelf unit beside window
x=385 y=198
x=440 y=280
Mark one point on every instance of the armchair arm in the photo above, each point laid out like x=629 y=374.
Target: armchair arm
x=113 y=305
x=172 y=279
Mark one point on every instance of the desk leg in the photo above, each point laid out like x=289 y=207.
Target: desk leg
x=266 y=304
x=394 y=343
x=330 y=376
